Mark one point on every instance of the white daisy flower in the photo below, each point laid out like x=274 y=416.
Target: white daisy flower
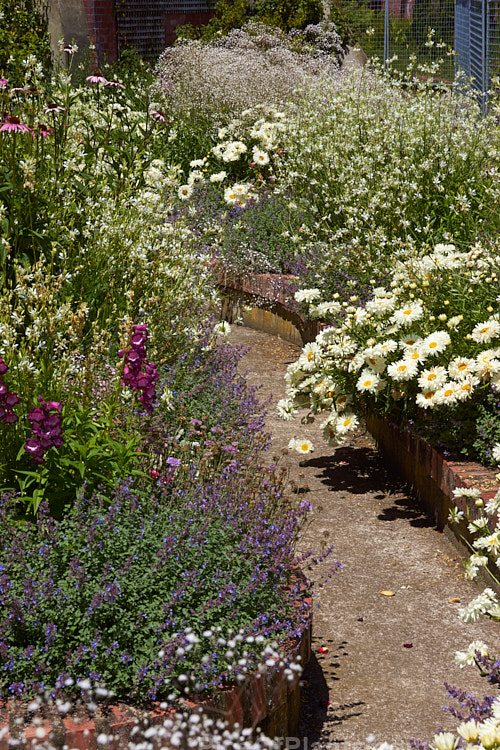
x=448 y=394
x=327 y=308
x=230 y=154
x=461 y=367
x=468 y=730
x=408 y=314
x=196 y=177
x=342 y=400
x=468 y=658
x=374 y=359
x=466 y=387
x=236 y=193
x=485 y=332
x=259 y=156
x=386 y=347
x=381 y=305
x=301 y=445
x=487 y=364
x=219 y=150
x=309 y=357
x=445 y=741
x=368 y=381
x=427 y=400
x=197 y=163
x=410 y=341
x=436 y=342
x=286 y=409
x=239 y=146
x=470 y=492
x=490 y=543
x=222 y=329
x=307 y=295
x=432 y=378
x=218 y=176
x=403 y=369
x=185 y=192
x=346 y=423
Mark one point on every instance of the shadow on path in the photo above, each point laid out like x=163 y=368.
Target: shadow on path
x=359 y=471
x=317 y=715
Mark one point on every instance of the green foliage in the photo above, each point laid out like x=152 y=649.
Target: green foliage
x=23 y=33
x=232 y=14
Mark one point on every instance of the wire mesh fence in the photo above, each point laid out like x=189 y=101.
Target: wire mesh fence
x=406 y=31
x=442 y=36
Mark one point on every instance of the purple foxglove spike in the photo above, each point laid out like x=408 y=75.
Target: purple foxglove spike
x=3 y=367
x=11 y=399
x=3 y=388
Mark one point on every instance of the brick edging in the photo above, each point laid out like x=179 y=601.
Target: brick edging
x=432 y=476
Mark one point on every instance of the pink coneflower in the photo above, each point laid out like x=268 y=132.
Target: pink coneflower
x=115 y=83
x=53 y=107
x=14 y=125
x=158 y=115
x=44 y=131
x=96 y=79
x=3 y=83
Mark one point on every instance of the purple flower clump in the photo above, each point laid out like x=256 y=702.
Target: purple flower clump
x=138 y=374
x=7 y=399
x=45 y=421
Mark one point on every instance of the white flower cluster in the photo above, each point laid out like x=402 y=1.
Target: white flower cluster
x=390 y=348
x=254 y=139
x=254 y=64
x=350 y=163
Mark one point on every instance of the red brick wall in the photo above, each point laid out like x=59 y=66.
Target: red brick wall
x=101 y=22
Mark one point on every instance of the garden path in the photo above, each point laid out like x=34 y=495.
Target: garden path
x=388 y=656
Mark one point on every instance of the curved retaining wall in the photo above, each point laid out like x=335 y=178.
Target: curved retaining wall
x=432 y=476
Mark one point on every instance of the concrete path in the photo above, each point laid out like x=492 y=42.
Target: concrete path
x=388 y=656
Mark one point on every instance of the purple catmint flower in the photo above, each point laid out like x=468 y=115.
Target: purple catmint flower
x=46 y=424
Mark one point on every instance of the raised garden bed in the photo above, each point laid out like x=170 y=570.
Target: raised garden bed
x=268 y=701
x=432 y=476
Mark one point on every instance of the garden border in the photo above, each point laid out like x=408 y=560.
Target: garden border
x=432 y=476
x=270 y=702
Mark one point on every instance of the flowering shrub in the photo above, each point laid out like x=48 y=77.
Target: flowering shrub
x=257 y=64
x=246 y=148
x=133 y=590
x=376 y=169
x=417 y=345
